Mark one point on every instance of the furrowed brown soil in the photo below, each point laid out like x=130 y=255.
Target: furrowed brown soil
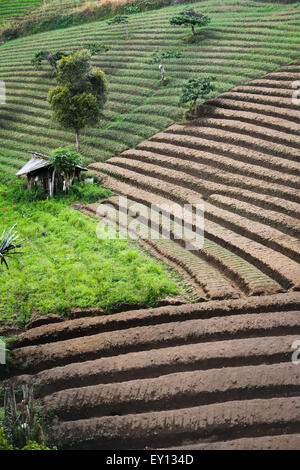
x=216 y=374
x=241 y=160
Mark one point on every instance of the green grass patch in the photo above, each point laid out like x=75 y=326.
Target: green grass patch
x=65 y=265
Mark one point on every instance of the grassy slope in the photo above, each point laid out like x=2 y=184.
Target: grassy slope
x=66 y=265
x=16 y=8
x=246 y=39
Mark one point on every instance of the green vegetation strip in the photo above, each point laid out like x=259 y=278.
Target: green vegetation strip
x=64 y=264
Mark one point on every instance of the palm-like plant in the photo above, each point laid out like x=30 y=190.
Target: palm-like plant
x=8 y=245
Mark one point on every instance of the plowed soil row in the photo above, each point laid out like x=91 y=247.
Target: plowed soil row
x=245 y=172
x=210 y=377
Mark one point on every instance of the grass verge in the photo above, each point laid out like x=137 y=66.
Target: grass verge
x=65 y=265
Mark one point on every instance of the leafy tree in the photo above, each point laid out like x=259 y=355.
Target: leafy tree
x=81 y=93
x=159 y=57
x=194 y=89
x=64 y=163
x=51 y=57
x=8 y=245
x=189 y=17
x=120 y=19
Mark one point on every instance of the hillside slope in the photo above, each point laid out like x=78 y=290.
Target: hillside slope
x=244 y=40
x=216 y=374
x=242 y=162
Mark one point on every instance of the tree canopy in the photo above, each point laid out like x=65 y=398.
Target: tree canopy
x=189 y=17
x=64 y=163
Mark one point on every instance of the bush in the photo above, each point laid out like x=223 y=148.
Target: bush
x=3 y=441
x=195 y=89
x=9 y=34
x=22 y=426
x=33 y=445
x=87 y=193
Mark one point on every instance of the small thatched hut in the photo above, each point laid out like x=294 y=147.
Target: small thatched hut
x=39 y=171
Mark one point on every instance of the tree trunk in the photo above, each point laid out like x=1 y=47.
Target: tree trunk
x=77 y=140
x=193 y=30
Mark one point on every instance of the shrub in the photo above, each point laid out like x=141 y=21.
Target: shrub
x=10 y=34
x=3 y=442
x=194 y=89
x=22 y=425
x=120 y=19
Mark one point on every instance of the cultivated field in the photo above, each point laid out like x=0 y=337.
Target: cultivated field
x=18 y=9
x=241 y=161
x=218 y=373
x=236 y=48
x=212 y=375
x=65 y=265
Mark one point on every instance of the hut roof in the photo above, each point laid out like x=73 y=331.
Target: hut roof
x=36 y=164
x=32 y=165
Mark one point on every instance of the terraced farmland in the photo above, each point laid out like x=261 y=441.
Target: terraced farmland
x=20 y=9
x=241 y=161
x=243 y=41
x=16 y=8
x=217 y=374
